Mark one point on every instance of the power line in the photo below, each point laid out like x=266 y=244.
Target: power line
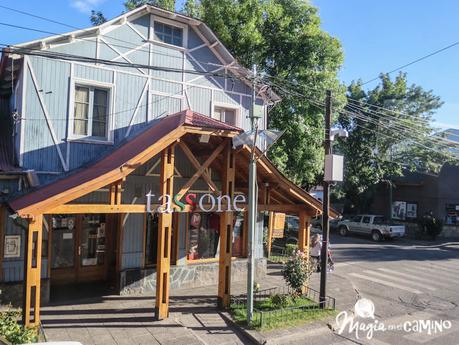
x=92 y=40
x=415 y=61
x=80 y=58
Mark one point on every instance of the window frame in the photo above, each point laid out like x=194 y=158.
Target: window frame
x=236 y=108
x=91 y=84
x=172 y=23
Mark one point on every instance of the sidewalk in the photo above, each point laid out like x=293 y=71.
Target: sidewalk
x=194 y=317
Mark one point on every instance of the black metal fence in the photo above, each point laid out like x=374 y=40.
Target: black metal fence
x=262 y=318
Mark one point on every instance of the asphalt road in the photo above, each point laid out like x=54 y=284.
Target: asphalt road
x=406 y=280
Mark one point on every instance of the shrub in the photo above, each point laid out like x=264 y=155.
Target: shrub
x=431 y=226
x=280 y=301
x=12 y=331
x=290 y=249
x=297 y=271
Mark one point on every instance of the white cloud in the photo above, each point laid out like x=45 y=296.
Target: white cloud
x=85 y=6
x=445 y=125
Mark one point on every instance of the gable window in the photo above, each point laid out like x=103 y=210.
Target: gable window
x=91 y=112
x=168 y=34
x=226 y=115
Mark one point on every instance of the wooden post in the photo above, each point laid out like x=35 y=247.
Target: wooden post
x=226 y=229
x=270 y=231
x=32 y=272
x=164 y=235
x=245 y=235
x=304 y=233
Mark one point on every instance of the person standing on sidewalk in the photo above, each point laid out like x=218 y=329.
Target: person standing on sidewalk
x=316 y=247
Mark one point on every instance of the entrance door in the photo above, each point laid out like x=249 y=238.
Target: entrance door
x=80 y=248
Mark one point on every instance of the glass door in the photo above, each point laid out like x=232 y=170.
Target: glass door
x=63 y=254
x=92 y=248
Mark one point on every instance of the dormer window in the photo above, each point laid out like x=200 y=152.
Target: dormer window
x=168 y=34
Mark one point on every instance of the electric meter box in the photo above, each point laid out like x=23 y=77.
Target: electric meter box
x=334 y=168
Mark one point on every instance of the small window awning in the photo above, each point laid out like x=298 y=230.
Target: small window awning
x=139 y=150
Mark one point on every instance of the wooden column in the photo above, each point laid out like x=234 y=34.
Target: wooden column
x=226 y=229
x=32 y=272
x=164 y=235
x=270 y=231
x=304 y=232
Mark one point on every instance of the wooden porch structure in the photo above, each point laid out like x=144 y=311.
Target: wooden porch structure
x=277 y=194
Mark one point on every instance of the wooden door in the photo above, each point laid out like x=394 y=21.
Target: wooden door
x=80 y=248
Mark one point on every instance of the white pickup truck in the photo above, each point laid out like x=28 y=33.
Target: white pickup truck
x=375 y=225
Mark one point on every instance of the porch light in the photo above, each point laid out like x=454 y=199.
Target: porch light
x=264 y=139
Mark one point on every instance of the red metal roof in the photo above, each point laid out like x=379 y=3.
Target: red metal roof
x=120 y=156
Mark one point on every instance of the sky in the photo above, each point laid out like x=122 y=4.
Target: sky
x=376 y=36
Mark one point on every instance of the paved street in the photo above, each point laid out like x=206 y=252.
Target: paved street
x=405 y=280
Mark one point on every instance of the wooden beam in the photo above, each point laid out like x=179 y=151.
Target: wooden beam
x=303 y=232
x=102 y=180
x=270 y=232
x=164 y=236
x=98 y=208
x=226 y=229
x=32 y=272
x=214 y=132
x=197 y=165
x=245 y=233
x=199 y=172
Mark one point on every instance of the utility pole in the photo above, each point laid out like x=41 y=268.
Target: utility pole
x=326 y=205
x=252 y=203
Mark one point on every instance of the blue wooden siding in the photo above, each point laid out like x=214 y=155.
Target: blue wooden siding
x=13 y=268
x=167 y=92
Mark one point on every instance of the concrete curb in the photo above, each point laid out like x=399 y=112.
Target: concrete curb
x=253 y=335
x=260 y=339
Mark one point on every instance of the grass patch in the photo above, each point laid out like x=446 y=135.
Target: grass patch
x=278 y=259
x=280 y=312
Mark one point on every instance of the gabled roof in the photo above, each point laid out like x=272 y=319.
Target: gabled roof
x=137 y=151
x=205 y=33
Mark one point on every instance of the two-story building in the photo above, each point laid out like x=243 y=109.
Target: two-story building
x=117 y=164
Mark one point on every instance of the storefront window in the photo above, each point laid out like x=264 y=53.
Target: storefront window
x=204 y=236
x=452 y=214
x=63 y=237
x=93 y=240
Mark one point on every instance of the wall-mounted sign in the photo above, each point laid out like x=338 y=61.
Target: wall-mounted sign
x=411 y=210
x=12 y=248
x=399 y=210
x=278 y=225
x=206 y=203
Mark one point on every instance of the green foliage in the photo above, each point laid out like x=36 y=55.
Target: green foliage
x=431 y=226
x=284 y=38
x=12 y=331
x=166 y=4
x=97 y=18
x=290 y=249
x=383 y=143
x=280 y=301
x=297 y=271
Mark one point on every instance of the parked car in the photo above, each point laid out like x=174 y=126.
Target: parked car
x=316 y=223
x=375 y=225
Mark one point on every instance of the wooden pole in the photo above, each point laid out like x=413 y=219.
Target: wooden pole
x=32 y=272
x=270 y=231
x=304 y=232
x=226 y=229
x=164 y=235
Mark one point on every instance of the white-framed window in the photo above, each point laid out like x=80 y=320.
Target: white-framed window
x=168 y=32
x=226 y=113
x=91 y=111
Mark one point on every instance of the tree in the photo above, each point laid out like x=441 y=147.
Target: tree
x=381 y=142
x=97 y=18
x=166 y=4
x=298 y=59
